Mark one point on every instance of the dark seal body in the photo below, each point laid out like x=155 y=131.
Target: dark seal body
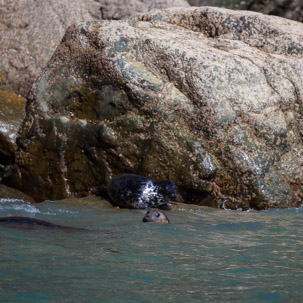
x=155 y=216
x=134 y=191
x=25 y=222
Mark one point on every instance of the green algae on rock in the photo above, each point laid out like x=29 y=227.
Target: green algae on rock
x=208 y=98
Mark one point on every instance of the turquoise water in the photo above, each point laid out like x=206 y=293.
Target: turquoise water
x=204 y=255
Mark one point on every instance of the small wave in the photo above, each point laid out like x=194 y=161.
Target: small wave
x=238 y=225
x=8 y=205
x=59 y=211
x=13 y=207
x=53 y=208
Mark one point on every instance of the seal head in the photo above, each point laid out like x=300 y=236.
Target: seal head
x=155 y=216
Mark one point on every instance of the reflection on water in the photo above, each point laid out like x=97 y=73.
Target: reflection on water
x=204 y=255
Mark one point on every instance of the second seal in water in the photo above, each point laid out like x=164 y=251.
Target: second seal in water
x=134 y=191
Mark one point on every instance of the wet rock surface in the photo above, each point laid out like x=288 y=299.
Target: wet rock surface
x=10 y=193
x=208 y=98
x=12 y=112
x=86 y=201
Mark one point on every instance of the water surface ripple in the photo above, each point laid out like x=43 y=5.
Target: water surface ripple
x=204 y=255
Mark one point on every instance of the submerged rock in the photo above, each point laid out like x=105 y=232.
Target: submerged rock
x=208 y=98
x=32 y=223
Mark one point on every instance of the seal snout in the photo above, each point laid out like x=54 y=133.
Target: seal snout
x=155 y=216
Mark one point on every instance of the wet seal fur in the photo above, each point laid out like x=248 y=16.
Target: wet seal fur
x=156 y=216
x=26 y=222
x=134 y=191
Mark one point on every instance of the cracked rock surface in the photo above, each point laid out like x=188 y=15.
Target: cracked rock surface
x=209 y=98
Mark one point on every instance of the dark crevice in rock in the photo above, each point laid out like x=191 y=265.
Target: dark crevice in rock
x=197 y=197
x=7 y=159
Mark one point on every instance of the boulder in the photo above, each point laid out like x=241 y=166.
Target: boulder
x=206 y=97
x=30 y=30
x=291 y=9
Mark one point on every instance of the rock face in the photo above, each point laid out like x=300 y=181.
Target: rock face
x=10 y=193
x=234 y=4
x=208 y=98
x=291 y=9
x=30 y=30
x=12 y=112
x=29 y=33
x=122 y=9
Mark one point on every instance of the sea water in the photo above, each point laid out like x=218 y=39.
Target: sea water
x=203 y=255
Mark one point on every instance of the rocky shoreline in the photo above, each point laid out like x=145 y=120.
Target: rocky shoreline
x=209 y=98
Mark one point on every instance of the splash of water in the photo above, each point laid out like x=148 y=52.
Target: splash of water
x=17 y=206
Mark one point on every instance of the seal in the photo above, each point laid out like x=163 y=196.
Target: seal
x=25 y=222
x=134 y=191
x=155 y=216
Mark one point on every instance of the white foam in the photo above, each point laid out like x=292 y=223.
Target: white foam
x=61 y=211
x=17 y=205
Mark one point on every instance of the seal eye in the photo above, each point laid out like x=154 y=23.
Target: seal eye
x=157 y=214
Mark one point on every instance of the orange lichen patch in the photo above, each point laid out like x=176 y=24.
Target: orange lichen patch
x=11 y=97
x=2 y=78
x=11 y=104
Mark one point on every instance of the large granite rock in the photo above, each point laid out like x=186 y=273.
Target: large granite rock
x=122 y=9
x=30 y=30
x=208 y=98
x=29 y=33
x=291 y=9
